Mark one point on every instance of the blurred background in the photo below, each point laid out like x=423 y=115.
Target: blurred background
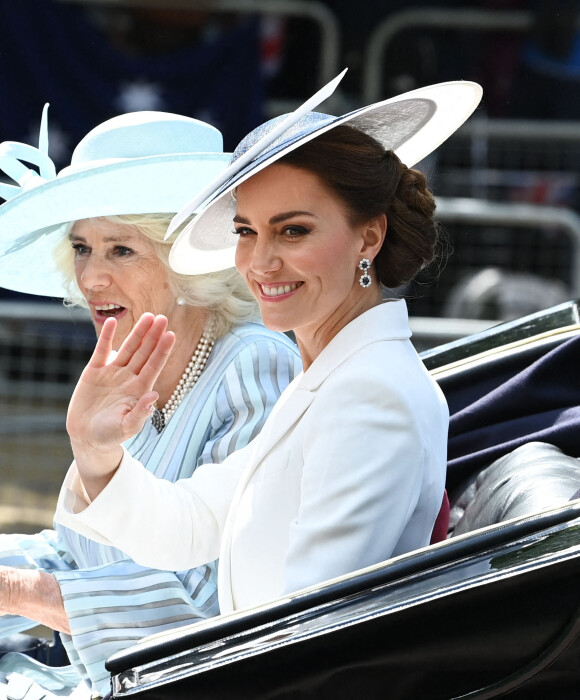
x=507 y=183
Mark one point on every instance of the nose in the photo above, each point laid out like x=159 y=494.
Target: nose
x=94 y=274
x=265 y=256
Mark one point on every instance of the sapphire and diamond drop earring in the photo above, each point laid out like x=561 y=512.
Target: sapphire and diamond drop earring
x=365 y=279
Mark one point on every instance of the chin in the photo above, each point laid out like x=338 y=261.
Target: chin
x=275 y=324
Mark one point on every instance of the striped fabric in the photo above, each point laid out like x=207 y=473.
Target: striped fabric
x=111 y=602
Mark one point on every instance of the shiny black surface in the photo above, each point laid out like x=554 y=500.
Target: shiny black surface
x=557 y=317
x=476 y=566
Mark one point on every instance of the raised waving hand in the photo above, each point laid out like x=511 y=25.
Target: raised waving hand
x=112 y=400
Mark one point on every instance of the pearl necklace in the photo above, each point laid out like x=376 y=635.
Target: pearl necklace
x=160 y=417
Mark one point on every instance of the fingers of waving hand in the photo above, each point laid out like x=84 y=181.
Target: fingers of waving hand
x=146 y=349
x=139 y=361
x=104 y=345
x=113 y=399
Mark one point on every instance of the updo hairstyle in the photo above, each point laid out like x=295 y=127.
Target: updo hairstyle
x=371 y=181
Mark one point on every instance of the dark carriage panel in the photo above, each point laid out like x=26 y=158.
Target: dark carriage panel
x=434 y=624
x=429 y=654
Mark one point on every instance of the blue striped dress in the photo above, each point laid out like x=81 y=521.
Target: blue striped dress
x=110 y=601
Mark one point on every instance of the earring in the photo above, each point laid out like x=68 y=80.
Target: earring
x=181 y=301
x=365 y=279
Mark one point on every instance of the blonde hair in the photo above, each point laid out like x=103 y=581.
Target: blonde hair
x=223 y=294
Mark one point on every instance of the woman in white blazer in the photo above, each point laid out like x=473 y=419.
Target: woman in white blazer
x=349 y=469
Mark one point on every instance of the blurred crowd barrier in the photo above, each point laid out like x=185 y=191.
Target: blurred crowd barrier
x=43 y=349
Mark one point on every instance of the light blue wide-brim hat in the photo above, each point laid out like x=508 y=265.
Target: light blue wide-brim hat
x=412 y=124
x=136 y=163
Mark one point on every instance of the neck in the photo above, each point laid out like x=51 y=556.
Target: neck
x=186 y=340
x=312 y=341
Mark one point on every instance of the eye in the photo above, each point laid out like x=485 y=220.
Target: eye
x=295 y=231
x=80 y=250
x=122 y=251
x=243 y=231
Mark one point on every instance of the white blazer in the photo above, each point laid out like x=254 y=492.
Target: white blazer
x=348 y=470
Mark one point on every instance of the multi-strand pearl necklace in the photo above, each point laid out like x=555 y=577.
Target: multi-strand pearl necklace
x=160 y=417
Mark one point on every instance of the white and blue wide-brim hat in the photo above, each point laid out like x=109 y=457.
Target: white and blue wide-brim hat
x=413 y=125
x=135 y=163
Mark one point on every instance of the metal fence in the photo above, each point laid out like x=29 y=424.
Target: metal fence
x=509 y=196
x=459 y=20
x=509 y=160
x=512 y=161
x=508 y=260
x=43 y=348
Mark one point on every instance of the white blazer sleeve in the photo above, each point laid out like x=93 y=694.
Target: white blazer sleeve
x=157 y=523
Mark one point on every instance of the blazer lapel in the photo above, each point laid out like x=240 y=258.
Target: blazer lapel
x=287 y=411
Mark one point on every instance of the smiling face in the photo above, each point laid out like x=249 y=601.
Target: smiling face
x=120 y=275
x=299 y=254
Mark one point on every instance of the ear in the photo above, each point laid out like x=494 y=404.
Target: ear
x=373 y=234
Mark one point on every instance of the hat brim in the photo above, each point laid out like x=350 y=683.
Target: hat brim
x=413 y=125
x=34 y=223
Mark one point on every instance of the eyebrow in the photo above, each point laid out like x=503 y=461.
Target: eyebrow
x=107 y=239
x=278 y=219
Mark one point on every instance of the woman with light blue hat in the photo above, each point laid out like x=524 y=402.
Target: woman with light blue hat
x=94 y=234
x=320 y=214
